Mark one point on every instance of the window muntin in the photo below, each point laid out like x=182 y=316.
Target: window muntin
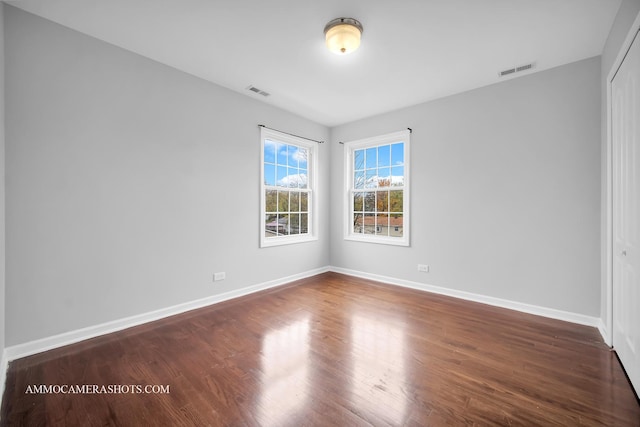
x=377 y=188
x=288 y=165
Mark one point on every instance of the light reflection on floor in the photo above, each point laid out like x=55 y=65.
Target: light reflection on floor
x=285 y=367
x=379 y=372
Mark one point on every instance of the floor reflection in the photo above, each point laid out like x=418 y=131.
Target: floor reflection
x=285 y=372
x=379 y=372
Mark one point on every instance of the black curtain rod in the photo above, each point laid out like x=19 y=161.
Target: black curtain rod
x=297 y=136
x=410 y=131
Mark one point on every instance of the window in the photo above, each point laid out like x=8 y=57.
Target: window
x=288 y=189
x=377 y=179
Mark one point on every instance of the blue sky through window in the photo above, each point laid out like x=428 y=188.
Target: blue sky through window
x=380 y=166
x=285 y=165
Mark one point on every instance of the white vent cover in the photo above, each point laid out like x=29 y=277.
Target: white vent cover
x=517 y=69
x=252 y=88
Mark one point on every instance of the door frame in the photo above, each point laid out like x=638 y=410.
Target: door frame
x=606 y=329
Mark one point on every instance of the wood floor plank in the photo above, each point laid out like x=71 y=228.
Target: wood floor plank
x=333 y=350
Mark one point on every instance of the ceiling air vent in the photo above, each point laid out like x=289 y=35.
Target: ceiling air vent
x=524 y=67
x=258 y=91
x=507 y=72
x=514 y=70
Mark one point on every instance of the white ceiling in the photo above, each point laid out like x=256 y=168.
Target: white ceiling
x=412 y=50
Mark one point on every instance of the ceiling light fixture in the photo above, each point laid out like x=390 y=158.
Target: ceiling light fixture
x=343 y=35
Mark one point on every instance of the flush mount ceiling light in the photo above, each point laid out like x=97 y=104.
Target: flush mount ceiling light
x=343 y=35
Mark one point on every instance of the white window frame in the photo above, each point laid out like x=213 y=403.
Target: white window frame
x=350 y=148
x=312 y=168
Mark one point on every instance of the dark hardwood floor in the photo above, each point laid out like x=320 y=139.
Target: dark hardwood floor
x=332 y=350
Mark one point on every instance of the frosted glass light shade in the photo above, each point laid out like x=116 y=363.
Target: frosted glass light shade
x=343 y=35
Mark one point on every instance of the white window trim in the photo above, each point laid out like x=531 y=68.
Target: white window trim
x=312 y=183
x=350 y=148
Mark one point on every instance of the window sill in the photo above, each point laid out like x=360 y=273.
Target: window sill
x=382 y=240
x=286 y=240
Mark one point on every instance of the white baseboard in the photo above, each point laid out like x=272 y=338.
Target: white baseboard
x=71 y=337
x=604 y=332
x=37 y=346
x=498 y=302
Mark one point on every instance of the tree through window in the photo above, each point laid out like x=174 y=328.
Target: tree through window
x=377 y=175
x=287 y=188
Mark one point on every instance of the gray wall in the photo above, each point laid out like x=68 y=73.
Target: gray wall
x=505 y=191
x=2 y=191
x=129 y=184
x=622 y=24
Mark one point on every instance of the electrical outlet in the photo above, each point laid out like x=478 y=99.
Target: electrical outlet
x=219 y=276
x=423 y=268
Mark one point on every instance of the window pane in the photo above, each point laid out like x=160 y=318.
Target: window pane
x=271 y=201
x=382 y=202
x=357 y=202
x=358 y=160
x=395 y=200
x=371 y=179
x=304 y=223
x=283 y=201
x=396 y=225
x=397 y=154
x=283 y=224
x=281 y=178
x=269 y=151
x=282 y=154
x=294 y=224
x=382 y=224
x=369 y=223
x=384 y=155
x=369 y=202
x=302 y=178
x=293 y=178
x=293 y=152
x=371 y=158
x=304 y=205
x=303 y=157
x=269 y=174
x=397 y=173
x=358 y=179
x=384 y=177
x=358 y=223
x=294 y=202
x=276 y=225
x=271 y=225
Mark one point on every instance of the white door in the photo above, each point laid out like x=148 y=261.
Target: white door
x=625 y=116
